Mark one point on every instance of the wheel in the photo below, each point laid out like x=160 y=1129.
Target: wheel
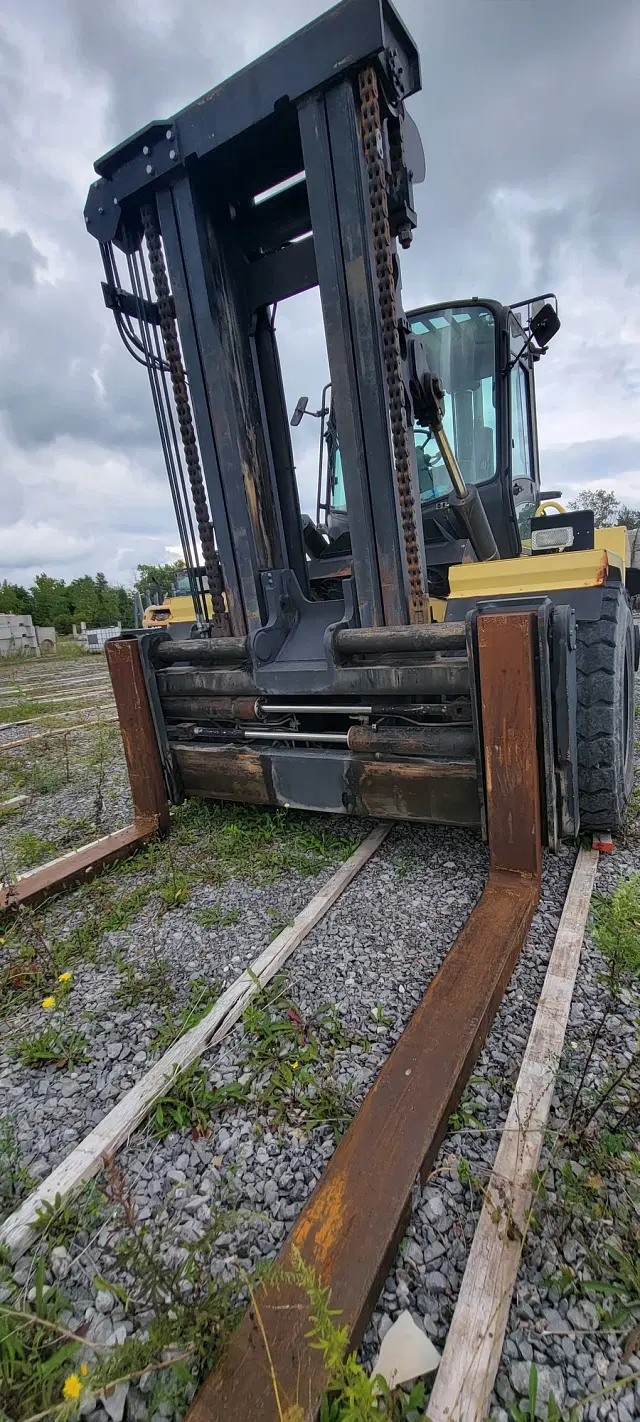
x=605 y=676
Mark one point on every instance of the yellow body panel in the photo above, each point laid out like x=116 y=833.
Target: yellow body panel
x=173 y=609
x=614 y=540
x=543 y=573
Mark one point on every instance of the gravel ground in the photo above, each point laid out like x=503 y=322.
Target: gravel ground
x=373 y=967
x=76 y=784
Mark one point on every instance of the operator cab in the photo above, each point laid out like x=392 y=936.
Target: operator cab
x=484 y=354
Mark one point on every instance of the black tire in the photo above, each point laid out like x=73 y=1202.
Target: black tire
x=605 y=658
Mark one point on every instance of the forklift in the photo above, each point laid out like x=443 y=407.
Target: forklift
x=334 y=664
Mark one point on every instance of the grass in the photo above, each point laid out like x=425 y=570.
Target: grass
x=59 y=1222
x=58 y=1045
x=124 y=911
x=187 y=1104
x=15 y=1180
x=257 y=844
x=216 y=917
x=593 y=1153
x=285 y=1073
x=35 y=1353
x=26 y=710
x=31 y=849
x=148 y=983
x=202 y=997
x=47 y=779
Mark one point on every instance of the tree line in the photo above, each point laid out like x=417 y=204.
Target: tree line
x=52 y=602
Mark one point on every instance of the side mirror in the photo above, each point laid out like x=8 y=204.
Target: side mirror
x=545 y=324
x=299 y=410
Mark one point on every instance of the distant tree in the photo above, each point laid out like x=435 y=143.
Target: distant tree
x=51 y=603
x=15 y=599
x=629 y=517
x=607 y=511
x=125 y=606
x=157 y=575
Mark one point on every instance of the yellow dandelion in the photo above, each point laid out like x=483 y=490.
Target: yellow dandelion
x=48 y=1002
x=72 y=1387
x=65 y=978
x=84 y=1369
x=294 y=1065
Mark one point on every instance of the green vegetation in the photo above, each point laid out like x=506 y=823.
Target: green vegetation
x=151 y=983
x=35 y=1351
x=31 y=849
x=257 y=844
x=187 y=1104
x=124 y=910
x=57 y=1044
x=607 y=510
x=202 y=997
x=216 y=917
x=53 y=602
x=157 y=577
x=60 y=1222
x=15 y=1180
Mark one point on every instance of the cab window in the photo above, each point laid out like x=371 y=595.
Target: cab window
x=460 y=344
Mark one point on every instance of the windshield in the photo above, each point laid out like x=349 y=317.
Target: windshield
x=461 y=348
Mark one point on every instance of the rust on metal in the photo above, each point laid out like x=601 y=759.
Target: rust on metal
x=211 y=708
x=77 y=867
x=223 y=773
x=139 y=740
x=420 y=741
x=350 y=1229
x=433 y=792
x=437 y=791
x=508 y=701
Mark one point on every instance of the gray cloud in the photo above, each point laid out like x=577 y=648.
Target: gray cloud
x=527 y=113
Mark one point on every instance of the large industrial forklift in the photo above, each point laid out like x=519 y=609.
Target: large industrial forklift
x=337 y=665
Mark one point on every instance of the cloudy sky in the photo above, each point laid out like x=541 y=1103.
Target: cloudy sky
x=529 y=115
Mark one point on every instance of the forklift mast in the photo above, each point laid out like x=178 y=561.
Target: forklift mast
x=332 y=688
x=291 y=174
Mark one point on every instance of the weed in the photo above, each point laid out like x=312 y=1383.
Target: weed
x=124 y=910
x=62 y=1046
x=379 y=1016
x=26 y=709
x=257 y=844
x=278 y=922
x=216 y=917
x=31 y=849
x=403 y=867
x=202 y=997
x=35 y=1352
x=174 y=890
x=352 y=1396
x=286 y=1072
x=46 y=778
x=15 y=1180
x=61 y=1221
x=470 y=1108
x=187 y=1104
x=151 y=983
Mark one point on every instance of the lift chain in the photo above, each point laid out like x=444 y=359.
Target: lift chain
x=386 y=279
x=185 y=419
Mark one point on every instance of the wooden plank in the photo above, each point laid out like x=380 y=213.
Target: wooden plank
x=88 y=1157
x=50 y=716
x=349 y=1230
x=471 y=1357
x=55 y=731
